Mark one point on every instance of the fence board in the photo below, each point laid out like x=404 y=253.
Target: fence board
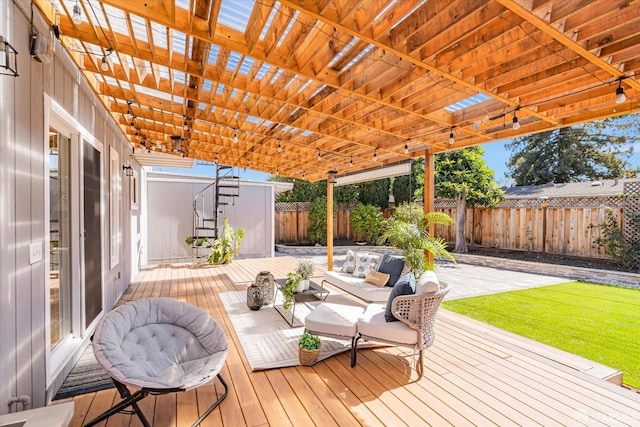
x=519 y=225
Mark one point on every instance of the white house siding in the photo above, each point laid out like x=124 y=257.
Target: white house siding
x=170 y=216
x=23 y=157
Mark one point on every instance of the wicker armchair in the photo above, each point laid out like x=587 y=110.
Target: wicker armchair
x=416 y=326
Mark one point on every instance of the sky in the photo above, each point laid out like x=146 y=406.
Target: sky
x=495 y=155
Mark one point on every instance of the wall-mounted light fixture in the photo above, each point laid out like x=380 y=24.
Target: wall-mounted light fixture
x=128 y=170
x=8 y=59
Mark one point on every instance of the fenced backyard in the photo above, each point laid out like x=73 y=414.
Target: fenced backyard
x=565 y=226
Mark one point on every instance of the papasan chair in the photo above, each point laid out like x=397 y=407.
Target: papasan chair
x=158 y=346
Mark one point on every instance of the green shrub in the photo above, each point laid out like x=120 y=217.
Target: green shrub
x=318 y=219
x=368 y=221
x=624 y=250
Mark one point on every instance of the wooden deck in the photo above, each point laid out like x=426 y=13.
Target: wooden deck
x=473 y=375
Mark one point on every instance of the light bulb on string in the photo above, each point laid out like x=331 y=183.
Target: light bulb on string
x=351 y=162
x=406 y=148
x=620 y=96
x=77 y=14
x=104 y=65
x=451 y=138
x=516 y=123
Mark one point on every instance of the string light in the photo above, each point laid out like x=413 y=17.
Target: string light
x=351 y=162
x=620 y=97
x=406 y=148
x=235 y=137
x=77 y=14
x=185 y=126
x=319 y=155
x=451 y=138
x=279 y=147
x=375 y=155
x=516 y=123
x=105 y=64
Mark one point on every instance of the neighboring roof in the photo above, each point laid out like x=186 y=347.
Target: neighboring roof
x=278 y=187
x=605 y=187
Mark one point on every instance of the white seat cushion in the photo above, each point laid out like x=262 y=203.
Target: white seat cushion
x=372 y=324
x=334 y=319
x=357 y=286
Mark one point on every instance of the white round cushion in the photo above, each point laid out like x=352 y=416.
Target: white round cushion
x=160 y=343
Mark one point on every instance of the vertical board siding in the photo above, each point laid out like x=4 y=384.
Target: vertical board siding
x=23 y=156
x=569 y=231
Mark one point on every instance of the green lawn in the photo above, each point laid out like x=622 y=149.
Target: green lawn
x=600 y=323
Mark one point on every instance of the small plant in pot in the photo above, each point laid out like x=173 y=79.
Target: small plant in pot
x=309 y=349
x=305 y=270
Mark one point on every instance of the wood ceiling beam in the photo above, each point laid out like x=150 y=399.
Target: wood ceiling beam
x=220 y=75
x=520 y=8
x=384 y=43
x=235 y=41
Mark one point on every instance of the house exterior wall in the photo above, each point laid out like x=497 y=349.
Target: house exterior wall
x=25 y=104
x=170 y=216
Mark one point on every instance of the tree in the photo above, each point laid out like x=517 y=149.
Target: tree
x=305 y=191
x=578 y=153
x=463 y=175
x=404 y=186
x=375 y=193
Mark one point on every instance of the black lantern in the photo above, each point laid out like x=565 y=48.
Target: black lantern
x=8 y=59
x=254 y=296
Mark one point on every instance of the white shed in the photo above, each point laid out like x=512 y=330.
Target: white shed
x=169 y=202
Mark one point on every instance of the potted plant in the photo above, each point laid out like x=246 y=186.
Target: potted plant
x=226 y=245
x=305 y=270
x=308 y=349
x=290 y=287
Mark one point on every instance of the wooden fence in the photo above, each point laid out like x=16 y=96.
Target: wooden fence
x=565 y=226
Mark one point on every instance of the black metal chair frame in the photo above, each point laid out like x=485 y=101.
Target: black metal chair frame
x=132 y=400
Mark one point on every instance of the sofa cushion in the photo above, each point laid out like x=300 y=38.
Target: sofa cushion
x=349 y=262
x=365 y=262
x=392 y=266
x=372 y=323
x=377 y=278
x=357 y=286
x=406 y=285
x=427 y=283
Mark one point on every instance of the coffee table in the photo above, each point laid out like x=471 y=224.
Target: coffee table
x=314 y=293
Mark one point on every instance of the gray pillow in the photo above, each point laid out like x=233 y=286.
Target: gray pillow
x=393 y=267
x=406 y=285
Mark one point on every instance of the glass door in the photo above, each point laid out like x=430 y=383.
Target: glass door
x=60 y=236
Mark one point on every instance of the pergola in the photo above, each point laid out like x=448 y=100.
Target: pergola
x=302 y=87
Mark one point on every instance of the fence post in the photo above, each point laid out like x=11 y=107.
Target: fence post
x=297 y=223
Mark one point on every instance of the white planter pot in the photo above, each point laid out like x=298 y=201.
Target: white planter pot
x=301 y=285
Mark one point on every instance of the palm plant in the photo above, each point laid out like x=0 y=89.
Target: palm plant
x=413 y=239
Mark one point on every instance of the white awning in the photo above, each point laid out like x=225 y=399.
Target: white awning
x=155 y=158
x=387 y=171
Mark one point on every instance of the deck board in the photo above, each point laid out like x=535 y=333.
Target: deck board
x=474 y=374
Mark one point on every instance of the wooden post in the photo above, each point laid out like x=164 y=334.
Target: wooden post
x=429 y=190
x=331 y=179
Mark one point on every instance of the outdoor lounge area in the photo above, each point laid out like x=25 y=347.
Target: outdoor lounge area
x=474 y=374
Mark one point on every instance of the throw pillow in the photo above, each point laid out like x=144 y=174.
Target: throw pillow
x=363 y=265
x=349 y=262
x=375 y=260
x=377 y=278
x=392 y=266
x=406 y=285
x=427 y=282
